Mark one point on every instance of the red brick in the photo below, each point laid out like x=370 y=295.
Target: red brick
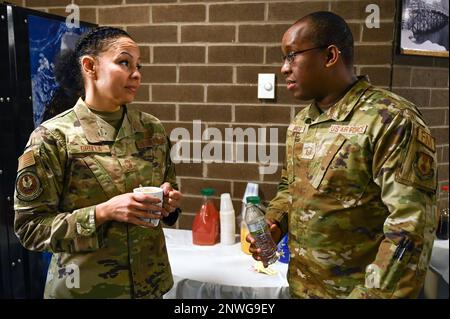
x=439 y=98
x=151 y=1
x=378 y=75
x=205 y=113
x=235 y=54
x=177 y=93
x=164 y=112
x=401 y=76
x=266 y=191
x=262 y=114
x=206 y=74
x=189 y=169
x=372 y=54
x=158 y=74
x=194 y=186
x=124 y=15
x=145 y=53
x=440 y=134
x=142 y=93
x=420 y=97
x=236 y=12
x=208 y=33
x=273 y=55
x=262 y=33
x=276 y=177
x=434 y=116
x=443 y=172
x=247 y=172
x=179 y=13
x=429 y=77
x=153 y=34
x=232 y=94
x=179 y=54
x=289 y=11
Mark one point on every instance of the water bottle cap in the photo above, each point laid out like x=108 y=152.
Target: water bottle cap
x=253 y=199
x=225 y=202
x=208 y=191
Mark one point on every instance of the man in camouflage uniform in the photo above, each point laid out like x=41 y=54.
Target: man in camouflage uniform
x=72 y=163
x=357 y=191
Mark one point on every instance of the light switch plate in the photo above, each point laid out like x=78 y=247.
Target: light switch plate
x=266 y=86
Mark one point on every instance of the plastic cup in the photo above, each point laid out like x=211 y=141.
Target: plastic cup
x=155 y=192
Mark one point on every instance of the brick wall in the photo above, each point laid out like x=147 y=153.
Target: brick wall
x=201 y=59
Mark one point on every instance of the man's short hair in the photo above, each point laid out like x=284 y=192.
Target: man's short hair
x=329 y=28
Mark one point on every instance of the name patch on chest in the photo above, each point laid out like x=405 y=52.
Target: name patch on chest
x=296 y=129
x=309 y=149
x=347 y=129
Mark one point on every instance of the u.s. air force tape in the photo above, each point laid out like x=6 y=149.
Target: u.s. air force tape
x=28 y=186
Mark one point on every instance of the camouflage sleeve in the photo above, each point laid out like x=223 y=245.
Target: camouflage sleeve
x=279 y=206
x=38 y=223
x=170 y=175
x=404 y=167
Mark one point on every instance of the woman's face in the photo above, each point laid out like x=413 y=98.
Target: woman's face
x=117 y=75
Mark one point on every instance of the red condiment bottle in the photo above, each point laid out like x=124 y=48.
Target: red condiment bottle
x=205 y=228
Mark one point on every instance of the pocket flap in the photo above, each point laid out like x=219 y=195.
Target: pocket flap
x=320 y=170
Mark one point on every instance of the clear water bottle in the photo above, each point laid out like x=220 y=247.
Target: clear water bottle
x=258 y=228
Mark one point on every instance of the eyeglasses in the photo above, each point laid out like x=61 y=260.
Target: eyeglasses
x=291 y=55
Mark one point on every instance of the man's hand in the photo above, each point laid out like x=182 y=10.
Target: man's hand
x=275 y=232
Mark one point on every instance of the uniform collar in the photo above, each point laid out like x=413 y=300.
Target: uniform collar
x=343 y=107
x=97 y=130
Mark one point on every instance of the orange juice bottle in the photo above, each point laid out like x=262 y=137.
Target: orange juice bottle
x=205 y=228
x=245 y=245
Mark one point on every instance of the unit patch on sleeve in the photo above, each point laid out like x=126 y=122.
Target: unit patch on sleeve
x=28 y=186
x=426 y=139
x=423 y=166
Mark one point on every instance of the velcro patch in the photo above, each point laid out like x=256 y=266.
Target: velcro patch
x=423 y=166
x=28 y=186
x=309 y=149
x=296 y=129
x=26 y=160
x=80 y=149
x=426 y=139
x=347 y=129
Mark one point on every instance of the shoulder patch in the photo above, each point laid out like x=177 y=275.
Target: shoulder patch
x=28 y=186
x=26 y=160
x=426 y=139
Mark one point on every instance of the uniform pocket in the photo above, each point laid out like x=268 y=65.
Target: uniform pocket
x=343 y=172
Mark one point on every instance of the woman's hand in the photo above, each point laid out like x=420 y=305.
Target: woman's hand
x=128 y=208
x=172 y=199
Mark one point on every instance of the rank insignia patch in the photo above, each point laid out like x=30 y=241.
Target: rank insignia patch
x=28 y=186
x=423 y=166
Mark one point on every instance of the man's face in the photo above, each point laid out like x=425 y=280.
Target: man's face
x=118 y=76
x=304 y=74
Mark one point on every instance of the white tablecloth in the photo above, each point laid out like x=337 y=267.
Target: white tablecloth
x=439 y=258
x=219 y=271
x=224 y=271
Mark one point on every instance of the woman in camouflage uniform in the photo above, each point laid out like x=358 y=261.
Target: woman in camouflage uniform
x=74 y=189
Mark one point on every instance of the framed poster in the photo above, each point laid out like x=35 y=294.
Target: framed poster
x=47 y=37
x=424 y=27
